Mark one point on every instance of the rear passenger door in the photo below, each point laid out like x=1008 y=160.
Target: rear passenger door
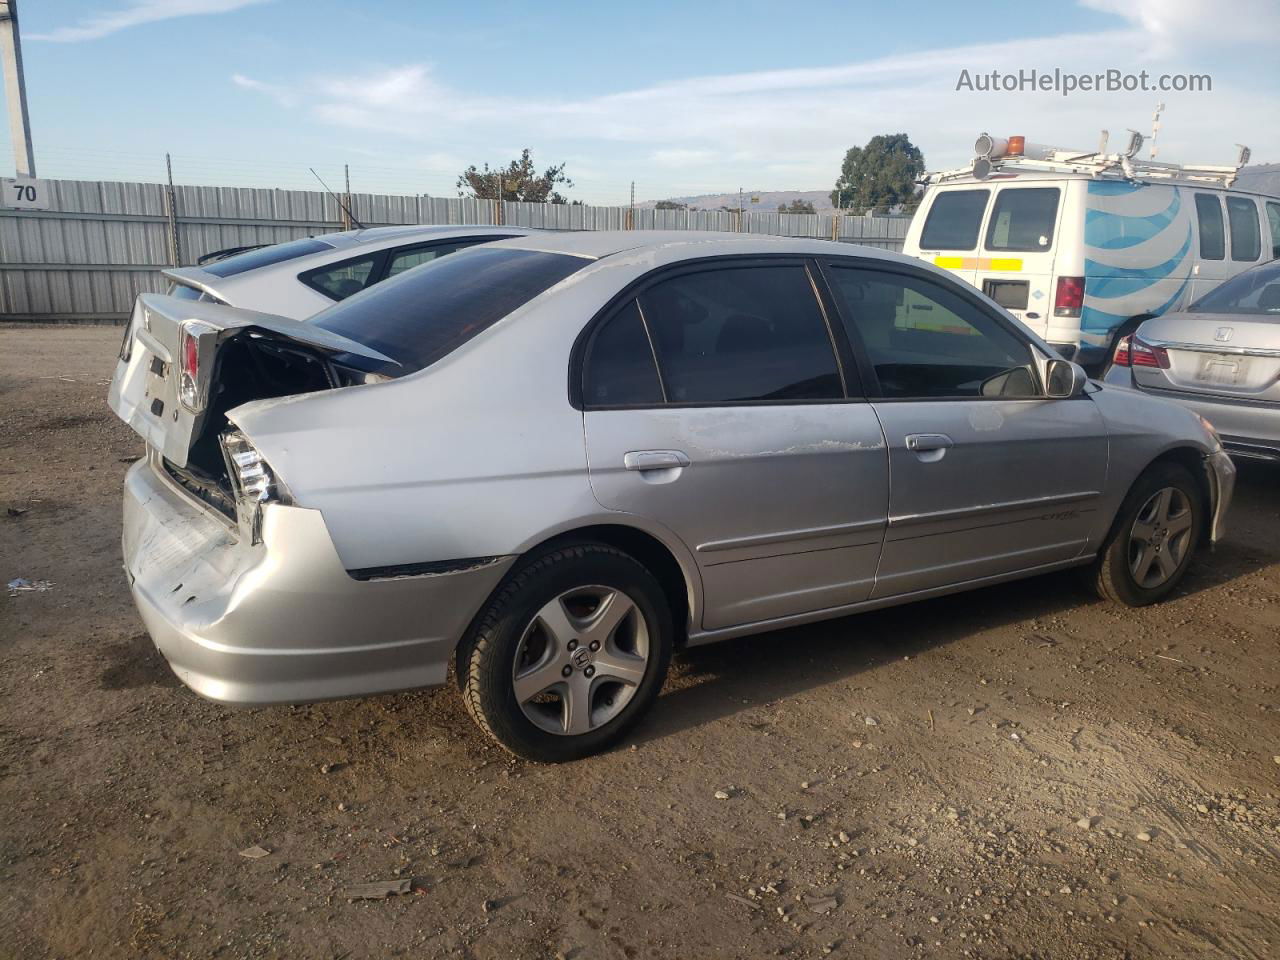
x=716 y=404
x=987 y=476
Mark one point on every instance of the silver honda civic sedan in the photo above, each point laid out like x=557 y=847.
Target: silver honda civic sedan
x=550 y=461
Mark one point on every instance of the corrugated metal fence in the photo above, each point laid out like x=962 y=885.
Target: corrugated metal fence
x=101 y=243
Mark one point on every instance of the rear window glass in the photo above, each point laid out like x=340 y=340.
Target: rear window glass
x=954 y=220
x=1254 y=291
x=1246 y=240
x=1213 y=242
x=265 y=256
x=423 y=314
x=1023 y=219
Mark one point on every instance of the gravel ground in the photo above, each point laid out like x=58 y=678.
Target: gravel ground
x=1019 y=771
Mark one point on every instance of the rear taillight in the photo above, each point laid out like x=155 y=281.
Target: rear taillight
x=189 y=366
x=1068 y=297
x=1121 y=358
x=252 y=480
x=1146 y=355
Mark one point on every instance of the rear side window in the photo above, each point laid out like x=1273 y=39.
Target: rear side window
x=1023 y=219
x=407 y=259
x=928 y=342
x=1213 y=243
x=341 y=280
x=954 y=220
x=423 y=315
x=266 y=256
x=1246 y=239
x=1273 y=221
x=619 y=368
x=1254 y=291
x=741 y=334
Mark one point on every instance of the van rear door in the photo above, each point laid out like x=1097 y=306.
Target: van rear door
x=1015 y=268
x=952 y=229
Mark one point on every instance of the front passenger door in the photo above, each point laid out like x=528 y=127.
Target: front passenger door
x=986 y=475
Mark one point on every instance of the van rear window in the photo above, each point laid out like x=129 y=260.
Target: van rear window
x=954 y=220
x=1023 y=219
x=423 y=314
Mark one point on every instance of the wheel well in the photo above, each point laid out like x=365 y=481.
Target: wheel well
x=648 y=550
x=1193 y=460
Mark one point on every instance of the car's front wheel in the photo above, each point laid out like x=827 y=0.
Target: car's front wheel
x=1153 y=539
x=569 y=653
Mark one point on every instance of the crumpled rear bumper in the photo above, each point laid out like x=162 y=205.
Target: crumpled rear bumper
x=281 y=621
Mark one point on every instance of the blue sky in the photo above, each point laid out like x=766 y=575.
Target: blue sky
x=683 y=98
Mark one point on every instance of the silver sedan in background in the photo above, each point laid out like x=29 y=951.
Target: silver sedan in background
x=548 y=462
x=1220 y=357
x=300 y=278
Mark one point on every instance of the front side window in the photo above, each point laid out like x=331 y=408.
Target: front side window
x=926 y=341
x=741 y=334
x=1023 y=219
x=954 y=220
x=618 y=369
x=1213 y=243
x=1273 y=221
x=1246 y=238
x=342 y=279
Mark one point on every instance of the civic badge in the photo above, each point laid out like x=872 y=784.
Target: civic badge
x=1223 y=334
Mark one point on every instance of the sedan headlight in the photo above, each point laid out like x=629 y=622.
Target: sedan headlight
x=252 y=480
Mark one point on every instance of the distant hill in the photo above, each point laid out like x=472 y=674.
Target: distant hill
x=770 y=200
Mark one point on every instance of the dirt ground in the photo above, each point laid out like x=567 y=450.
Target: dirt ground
x=1021 y=771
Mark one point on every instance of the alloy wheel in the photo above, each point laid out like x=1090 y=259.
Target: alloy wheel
x=1160 y=537
x=581 y=659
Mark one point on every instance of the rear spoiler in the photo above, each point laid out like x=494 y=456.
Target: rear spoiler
x=202 y=280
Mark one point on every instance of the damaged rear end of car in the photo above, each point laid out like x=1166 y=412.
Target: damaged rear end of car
x=241 y=587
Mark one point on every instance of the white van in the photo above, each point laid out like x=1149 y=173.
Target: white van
x=1083 y=247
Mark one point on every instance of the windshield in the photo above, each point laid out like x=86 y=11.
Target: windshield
x=426 y=313
x=1254 y=291
x=265 y=256
x=954 y=220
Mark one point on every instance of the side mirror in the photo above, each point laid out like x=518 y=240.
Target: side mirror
x=1064 y=379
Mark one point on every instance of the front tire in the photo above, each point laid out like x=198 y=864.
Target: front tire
x=1153 y=539
x=569 y=654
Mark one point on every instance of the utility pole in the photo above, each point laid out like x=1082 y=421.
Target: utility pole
x=15 y=87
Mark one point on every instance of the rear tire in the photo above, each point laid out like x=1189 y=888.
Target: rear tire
x=568 y=655
x=1154 y=536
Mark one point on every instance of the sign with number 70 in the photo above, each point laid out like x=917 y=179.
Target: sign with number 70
x=24 y=193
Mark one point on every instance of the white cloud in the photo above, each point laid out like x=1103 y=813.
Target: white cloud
x=139 y=12
x=795 y=125
x=280 y=95
x=1188 y=26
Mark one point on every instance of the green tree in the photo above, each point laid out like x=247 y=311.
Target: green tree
x=796 y=206
x=879 y=175
x=519 y=180
x=670 y=205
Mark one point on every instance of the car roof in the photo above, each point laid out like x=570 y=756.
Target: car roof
x=597 y=244
x=351 y=238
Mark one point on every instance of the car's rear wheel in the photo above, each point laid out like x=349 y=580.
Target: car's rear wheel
x=1153 y=539
x=569 y=653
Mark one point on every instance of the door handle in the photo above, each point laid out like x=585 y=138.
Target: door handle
x=926 y=442
x=654 y=460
